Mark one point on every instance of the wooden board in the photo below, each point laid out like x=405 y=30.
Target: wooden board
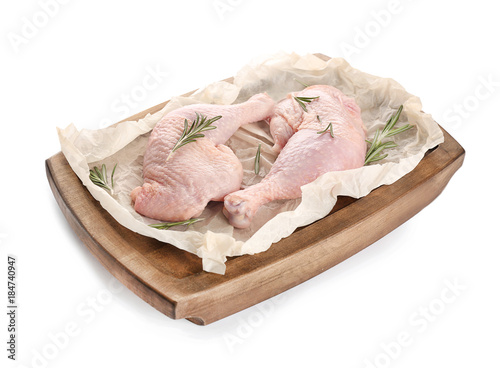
x=172 y=280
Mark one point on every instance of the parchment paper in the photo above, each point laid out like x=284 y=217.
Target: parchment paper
x=214 y=239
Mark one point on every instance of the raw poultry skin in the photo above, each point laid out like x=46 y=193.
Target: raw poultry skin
x=199 y=172
x=304 y=154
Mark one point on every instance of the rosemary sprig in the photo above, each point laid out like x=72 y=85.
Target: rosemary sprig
x=100 y=177
x=168 y=225
x=302 y=100
x=376 y=145
x=190 y=134
x=256 y=165
x=328 y=127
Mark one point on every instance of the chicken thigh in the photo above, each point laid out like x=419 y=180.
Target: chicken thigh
x=306 y=153
x=178 y=187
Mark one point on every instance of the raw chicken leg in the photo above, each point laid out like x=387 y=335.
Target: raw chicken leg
x=179 y=188
x=305 y=154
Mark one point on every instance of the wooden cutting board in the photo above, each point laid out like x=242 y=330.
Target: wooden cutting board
x=172 y=280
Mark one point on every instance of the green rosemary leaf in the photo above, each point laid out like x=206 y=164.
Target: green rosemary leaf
x=296 y=80
x=168 y=225
x=378 y=157
x=256 y=167
x=97 y=173
x=398 y=130
x=113 y=176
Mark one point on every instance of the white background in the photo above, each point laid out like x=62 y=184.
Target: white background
x=76 y=63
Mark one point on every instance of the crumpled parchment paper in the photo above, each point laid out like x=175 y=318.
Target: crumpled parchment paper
x=214 y=239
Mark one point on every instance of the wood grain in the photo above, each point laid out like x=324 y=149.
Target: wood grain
x=172 y=280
